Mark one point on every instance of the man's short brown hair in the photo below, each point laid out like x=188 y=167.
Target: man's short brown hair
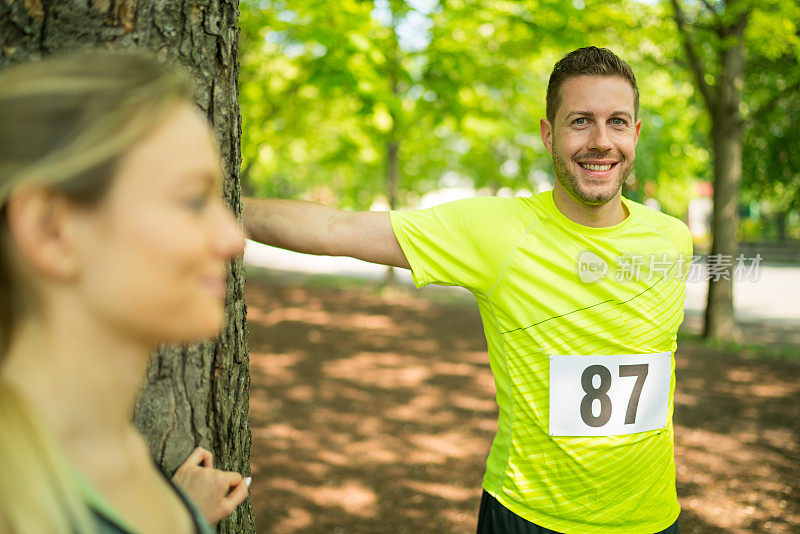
x=589 y=61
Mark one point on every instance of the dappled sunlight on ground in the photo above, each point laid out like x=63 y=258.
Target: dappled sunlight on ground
x=366 y=417
x=738 y=423
x=374 y=414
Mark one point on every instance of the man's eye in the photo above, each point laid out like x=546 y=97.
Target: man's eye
x=618 y=122
x=579 y=121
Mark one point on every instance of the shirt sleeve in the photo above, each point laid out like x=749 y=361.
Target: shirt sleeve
x=463 y=243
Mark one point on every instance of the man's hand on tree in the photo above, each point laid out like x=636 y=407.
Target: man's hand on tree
x=216 y=493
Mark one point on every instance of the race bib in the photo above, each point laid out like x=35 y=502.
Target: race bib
x=609 y=395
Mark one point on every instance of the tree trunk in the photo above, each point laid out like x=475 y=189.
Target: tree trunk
x=196 y=395
x=720 y=321
x=392 y=172
x=780 y=226
x=245 y=180
x=726 y=133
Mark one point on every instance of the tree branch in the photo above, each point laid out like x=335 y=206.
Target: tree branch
x=713 y=27
x=713 y=11
x=767 y=106
x=694 y=59
x=717 y=25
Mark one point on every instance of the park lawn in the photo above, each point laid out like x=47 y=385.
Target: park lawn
x=373 y=412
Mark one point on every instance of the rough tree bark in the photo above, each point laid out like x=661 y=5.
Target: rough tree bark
x=196 y=395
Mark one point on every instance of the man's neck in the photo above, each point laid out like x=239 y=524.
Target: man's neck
x=601 y=216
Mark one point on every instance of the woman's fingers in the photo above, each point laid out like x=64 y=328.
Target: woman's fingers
x=238 y=492
x=200 y=456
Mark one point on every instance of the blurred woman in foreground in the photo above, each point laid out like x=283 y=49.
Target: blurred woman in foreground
x=114 y=238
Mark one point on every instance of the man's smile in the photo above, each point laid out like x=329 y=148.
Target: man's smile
x=598 y=168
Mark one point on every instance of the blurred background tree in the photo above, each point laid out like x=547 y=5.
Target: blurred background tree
x=745 y=59
x=385 y=101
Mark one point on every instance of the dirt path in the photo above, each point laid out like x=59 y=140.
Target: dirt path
x=375 y=415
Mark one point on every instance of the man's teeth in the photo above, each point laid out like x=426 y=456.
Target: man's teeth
x=601 y=168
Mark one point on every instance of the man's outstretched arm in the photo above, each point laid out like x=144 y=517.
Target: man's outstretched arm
x=316 y=229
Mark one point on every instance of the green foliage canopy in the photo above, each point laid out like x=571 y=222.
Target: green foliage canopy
x=459 y=87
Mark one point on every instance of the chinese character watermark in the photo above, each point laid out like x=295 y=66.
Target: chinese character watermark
x=654 y=267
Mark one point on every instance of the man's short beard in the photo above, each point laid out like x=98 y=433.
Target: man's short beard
x=571 y=183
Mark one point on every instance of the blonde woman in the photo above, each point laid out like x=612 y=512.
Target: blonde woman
x=114 y=238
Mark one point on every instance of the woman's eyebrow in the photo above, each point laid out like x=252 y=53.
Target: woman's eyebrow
x=210 y=179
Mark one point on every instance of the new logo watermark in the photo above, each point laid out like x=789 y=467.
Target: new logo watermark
x=591 y=267
x=647 y=267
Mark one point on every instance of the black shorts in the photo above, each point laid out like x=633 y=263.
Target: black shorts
x=494 y=518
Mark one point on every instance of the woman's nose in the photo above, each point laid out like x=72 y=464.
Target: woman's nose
x=228 y=237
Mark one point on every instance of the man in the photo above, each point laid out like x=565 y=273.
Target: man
x=581 y=293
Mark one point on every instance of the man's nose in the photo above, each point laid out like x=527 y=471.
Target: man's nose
x=599 y=139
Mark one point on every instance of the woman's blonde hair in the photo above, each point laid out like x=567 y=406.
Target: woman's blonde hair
x=65 y=123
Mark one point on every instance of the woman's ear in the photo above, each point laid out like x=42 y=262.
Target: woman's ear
x=41 y=223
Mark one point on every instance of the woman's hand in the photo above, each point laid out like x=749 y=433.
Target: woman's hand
x=216 y=493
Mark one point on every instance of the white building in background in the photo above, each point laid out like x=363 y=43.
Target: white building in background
x=700 y=212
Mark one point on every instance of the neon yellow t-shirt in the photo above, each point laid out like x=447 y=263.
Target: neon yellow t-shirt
x=545 y=286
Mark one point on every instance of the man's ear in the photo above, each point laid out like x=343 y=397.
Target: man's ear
x=547 y=134
x=638 y=130
x=41 y=225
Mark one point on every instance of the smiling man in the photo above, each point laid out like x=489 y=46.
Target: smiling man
x=581 y=294
x=591 y=130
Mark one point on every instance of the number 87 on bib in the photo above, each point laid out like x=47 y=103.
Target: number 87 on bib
x=609 y=395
